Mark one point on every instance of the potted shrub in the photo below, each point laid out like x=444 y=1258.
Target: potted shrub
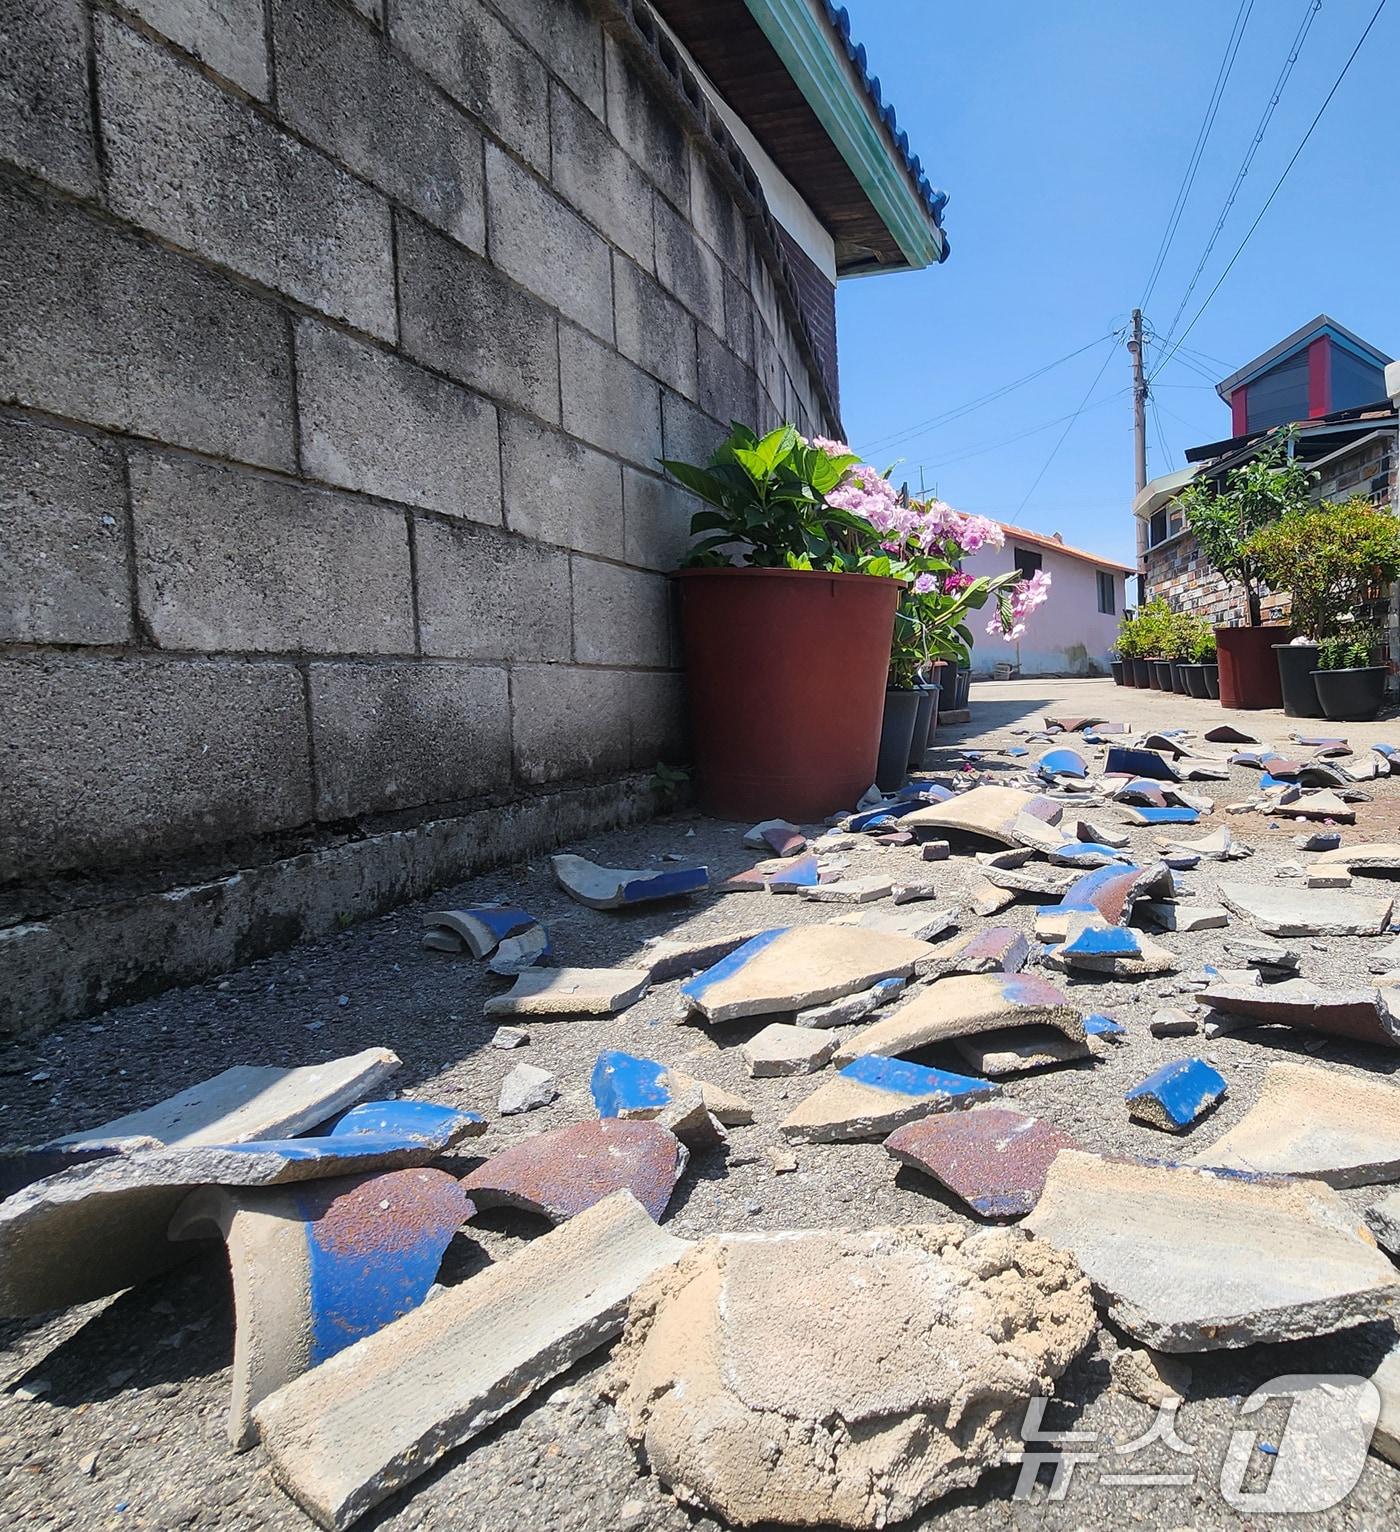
x=1200 y=648
x=1349 y=687
x=1210 y=666
x=1125 y=645
x=1115 y=666
x=1223 y=521
x=787 y=610
x=1151 y=624
x=1330 y=557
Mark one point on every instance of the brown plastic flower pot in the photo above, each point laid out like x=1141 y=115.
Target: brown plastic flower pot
x=1248 y=670
x=786 y=675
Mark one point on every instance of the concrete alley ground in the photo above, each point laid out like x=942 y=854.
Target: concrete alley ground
x=119 y=1421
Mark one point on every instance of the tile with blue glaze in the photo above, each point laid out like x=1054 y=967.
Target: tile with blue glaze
x=793 y=968
x=872 y=1096
x=482 y=927
x=626 y=1085
x=317 y=1267
x=1097 y=1024
x=1086 y=853
x=1061 y=763
x=1139 y=763
x=780 y=876
x=1164 y=816
x=1176 y=1095
x=610 y=888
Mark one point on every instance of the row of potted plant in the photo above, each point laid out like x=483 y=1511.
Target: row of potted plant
x=1169 y=651
x=818 y=604
x=1263 y=532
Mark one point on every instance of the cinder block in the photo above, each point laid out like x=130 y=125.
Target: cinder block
x=228 y=36
x=656 y=513
x=728 y=390
x=689 y=434
x=763 y=290
x=109 y=761
x=45 y=121
x=738 y=318
x=341 y=85
x=227 y=559
x=462 y=317
x=206 y=172
x=689 y=268
x=98 y=326
x=377 y=423
x=621 y=616
x=545 y=246
x=565 y=33
x=569 y=722
x=608 y=401
x=473 y=56
x=396 y=736
x=659 y=725
x=768 y=366
x=558 y=490
x=716 y=215
x=593 y=174
x=63 y=554
x=653 y=329
x=646 y=129
x=485 y=596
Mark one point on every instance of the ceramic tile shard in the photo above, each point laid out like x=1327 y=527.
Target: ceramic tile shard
x=991 y=1157
x=1082 y=854
x=1176 y=1095
x=1188 y=1259
x=851 y=1008
x=1228 y=734
x=346 y=1435
x=668 y=957
x=989 y=949
x=760 y=837
x=873 y=1096
x=1139 y=763
x=525 y=1089
x=570 y=992
x=1112 y=892
x=746 y=1400
x=1163 y=816
x=1362 y=1014
x=564 y=1172
x=1036 y=882
x=1185 y=917
x=1220 y=845
x=319 y=1266
x=1320 y=804
x=962 y=1007
x=987 y=900
x=782 y=1049
x=987 y=811
x=792 y=969
x=530 y=948
x=1272 y=957
x=785 y=875
x=1316 y=912
x=609 y=888
x=862 y=890
x=1092 y=945
x=921 y=922
x=1173 y=1022
x=1307 y=1121
x=1061 y=763
x=1020 y=1049
x=624 y=1085
x=1383 y=1220
x=1373 y=858
x=99 y=1227
x=482 y=927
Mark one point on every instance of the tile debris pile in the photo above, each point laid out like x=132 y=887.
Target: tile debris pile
x=358 y=1372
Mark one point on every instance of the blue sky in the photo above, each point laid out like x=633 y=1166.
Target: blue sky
x=1061 y=134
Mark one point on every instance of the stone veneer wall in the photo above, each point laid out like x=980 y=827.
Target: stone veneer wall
x=1178 y=570
x=337 y=348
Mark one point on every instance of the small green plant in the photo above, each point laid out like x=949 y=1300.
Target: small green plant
x=1350 y=649
x=1151 y=630
x=1203 y=643
x=666 y=781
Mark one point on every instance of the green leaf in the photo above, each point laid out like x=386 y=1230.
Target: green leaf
x=713 y=521
x=696 y=480
x=754 y=463
x=777 y=447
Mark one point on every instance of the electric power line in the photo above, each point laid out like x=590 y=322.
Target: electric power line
x=1069 y=426
x=1222 y=77
x=1045 y=425
x=1327 y=100
x=884 y=443
x=1161 y=435
x=1314 y=6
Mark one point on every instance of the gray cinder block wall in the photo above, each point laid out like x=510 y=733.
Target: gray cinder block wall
x=338 y=343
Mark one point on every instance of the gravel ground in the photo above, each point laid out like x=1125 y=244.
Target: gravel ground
x=115 y=1414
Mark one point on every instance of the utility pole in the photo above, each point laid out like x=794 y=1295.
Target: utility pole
x=1139 y=444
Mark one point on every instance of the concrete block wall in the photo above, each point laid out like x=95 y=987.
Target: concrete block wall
x=338 y=343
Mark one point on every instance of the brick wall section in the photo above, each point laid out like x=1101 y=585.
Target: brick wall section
x=336 y=354
x=1179 y=571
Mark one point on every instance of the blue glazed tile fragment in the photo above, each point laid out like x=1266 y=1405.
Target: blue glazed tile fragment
x=1103 y=941
x=623 y=1082
x=1168 y=816
x=727 y=967
x=1017 y=751
x=372 y=1129
x=905 y=1079
x=1176 y=1095
x=665 y=885
x=1099 y=1025
x=1140 y=763
x=1062 y=763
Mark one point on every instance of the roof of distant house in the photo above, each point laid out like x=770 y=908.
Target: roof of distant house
x=802 y=85
x=1300 y=338
x=1056 y=544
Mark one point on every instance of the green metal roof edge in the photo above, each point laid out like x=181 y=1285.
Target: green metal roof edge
x=804 y=44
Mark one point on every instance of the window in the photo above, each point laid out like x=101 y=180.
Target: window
x=1107 y=601
x=1027 y=562
x=1166 y=523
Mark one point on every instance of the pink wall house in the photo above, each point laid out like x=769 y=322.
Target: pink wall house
x=1070 y=635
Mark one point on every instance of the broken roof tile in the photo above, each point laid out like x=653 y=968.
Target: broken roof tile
x=1020 y=1049
x=988 y=949
x=570 y=992
x=1362 y=1014
x=1310 y=912
x=988 y=811
x=609 y=888
x=1139 y=763
x=872 y=1096
x=1176 y=1095
x=784 y=1049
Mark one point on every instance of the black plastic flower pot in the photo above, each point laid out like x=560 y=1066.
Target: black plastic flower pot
x=1351 y=695
x=1212 y=672
x=1193 y=679
x=918 y=745
x=1296 y=663
x=896 y=736
x=1162 y=674
x=1178 y=685
x=1142 y=673
x=1116 y=666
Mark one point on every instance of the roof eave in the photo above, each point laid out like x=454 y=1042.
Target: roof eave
x=828 y=82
